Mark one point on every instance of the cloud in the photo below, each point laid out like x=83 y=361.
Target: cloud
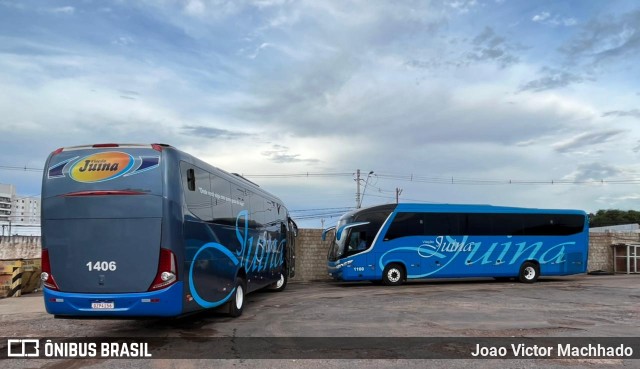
x=123 y=41
x=463 y=6
x=595 y=49
x=488 y=46
x=593 y=172
x=280 y=154
x=129 y=95
x=556 y=20
x=551 y=78
x=634 y=113
x=607 y=38
x=63 y=10
x=212 y=132
x=401 y=87
x=586 y=139
x=541 y=17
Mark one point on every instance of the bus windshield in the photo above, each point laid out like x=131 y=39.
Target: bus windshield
x=357 y=233
x=337 y=247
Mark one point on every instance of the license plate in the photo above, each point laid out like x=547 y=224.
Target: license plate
x=103 y=305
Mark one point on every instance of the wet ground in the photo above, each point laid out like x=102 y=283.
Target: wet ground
x=579 y=306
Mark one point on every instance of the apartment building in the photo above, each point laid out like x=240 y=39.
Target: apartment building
x=19 y=215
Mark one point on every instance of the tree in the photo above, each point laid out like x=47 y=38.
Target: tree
x=611 y=217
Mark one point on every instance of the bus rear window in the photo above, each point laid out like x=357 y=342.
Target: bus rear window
x=99 y=170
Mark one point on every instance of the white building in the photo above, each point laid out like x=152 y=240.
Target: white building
x=19 y=215
x=7 y=194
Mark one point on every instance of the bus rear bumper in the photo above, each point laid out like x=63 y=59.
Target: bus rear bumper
x=162 y=303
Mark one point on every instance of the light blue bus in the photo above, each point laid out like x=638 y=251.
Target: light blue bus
x=393 y=243
x=146 y=230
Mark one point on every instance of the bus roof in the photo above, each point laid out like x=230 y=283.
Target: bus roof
x=232 y=177
x=463 y=208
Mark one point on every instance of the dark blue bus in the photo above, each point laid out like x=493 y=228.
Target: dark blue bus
x=148 y=230
x=393 y=243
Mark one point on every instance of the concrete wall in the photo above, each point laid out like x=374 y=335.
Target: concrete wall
x=311 y=251
x=19 y=247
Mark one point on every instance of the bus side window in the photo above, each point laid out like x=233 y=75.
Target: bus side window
x=358 y=241
x=362 y=241
x=191 y=179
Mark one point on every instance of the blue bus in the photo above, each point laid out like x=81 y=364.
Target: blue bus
x=147 y=230
x=393 y=243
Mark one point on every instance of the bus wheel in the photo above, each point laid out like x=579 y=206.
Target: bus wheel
x=393 y=275
x=529 y=272
x=280 y=284
x=236 y=304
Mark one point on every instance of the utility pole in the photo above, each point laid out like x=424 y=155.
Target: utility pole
x=358 y=189
x=398 y=192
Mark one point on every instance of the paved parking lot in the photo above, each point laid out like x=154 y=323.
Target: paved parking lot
x=578 y=306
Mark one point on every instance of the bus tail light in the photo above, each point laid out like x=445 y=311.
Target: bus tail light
x=167 y=271
x=46 y=276
x=58 y=151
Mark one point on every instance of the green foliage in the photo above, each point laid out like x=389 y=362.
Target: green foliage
x=604 y=218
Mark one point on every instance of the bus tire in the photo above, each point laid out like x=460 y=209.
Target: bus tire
x=529 y=272
x=281 y=283
x=393 y=275
x=236 y=304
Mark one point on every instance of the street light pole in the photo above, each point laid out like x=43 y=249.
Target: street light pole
x=366 y=183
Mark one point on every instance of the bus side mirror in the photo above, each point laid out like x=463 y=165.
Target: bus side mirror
x=324 y=233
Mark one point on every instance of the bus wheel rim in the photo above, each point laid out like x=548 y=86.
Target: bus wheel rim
x=393 y=275
x=280 y=282
x=239 y=297
x=529 y=272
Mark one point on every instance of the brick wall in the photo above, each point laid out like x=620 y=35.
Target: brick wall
x=311 y=256
x=600 y=251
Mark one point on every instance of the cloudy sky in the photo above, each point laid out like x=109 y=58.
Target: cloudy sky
x=523 y=103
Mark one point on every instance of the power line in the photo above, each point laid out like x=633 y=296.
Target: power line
x=418 y=178
x=305 y=210
x=299 y=175
x=25 y=168
x=478 y=181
